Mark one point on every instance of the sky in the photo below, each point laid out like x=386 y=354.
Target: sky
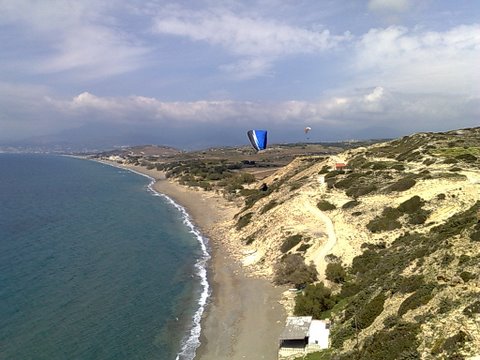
x=201 y=73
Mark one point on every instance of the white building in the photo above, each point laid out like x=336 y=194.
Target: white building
x=302 y=335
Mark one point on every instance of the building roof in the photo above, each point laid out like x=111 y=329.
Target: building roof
x=297 y=328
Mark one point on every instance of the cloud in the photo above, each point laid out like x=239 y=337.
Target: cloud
x=389 y=5
x=419 y=61
x=80 y=38
x=367 y=107
x=256 y=40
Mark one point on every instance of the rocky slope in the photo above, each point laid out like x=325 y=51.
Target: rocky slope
x=403 y=220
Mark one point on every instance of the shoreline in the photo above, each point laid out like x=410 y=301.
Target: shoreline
x=243 y=316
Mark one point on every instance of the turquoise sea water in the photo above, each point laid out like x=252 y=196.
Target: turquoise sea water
x=94 y=265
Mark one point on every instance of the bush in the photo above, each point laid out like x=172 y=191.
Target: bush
x=314 y=300
x=472 y=309
x=380 y=224
x=269 y=206
x=466 y=157
x=244 y=220
x=325 y=169
x=370 y=311
x=411 y=205
x=324 y=205
x=335 y=272
x=475 y=236
x=249 y=240
x=290 y=242
x=410 y=284
x=293 y=270
x=402 y=185
x=303 y=247
x=420 y=297
x=357 y=191
x=418 y=217
x=467 y=276
x=397 y=343
x=350 y=204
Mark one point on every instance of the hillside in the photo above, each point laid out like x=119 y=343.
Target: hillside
x=403 y=223
x=387 y=247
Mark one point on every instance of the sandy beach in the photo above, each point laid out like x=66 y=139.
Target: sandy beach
x=243 y=318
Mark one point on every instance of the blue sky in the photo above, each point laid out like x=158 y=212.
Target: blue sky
x=201 y=73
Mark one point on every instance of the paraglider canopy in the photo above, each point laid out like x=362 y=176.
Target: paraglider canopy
x=258 y=139
x=307 y=129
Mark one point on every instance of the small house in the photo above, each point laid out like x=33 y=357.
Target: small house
x=341 y=166
x=302 y=335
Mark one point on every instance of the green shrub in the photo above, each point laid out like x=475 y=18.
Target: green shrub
x=249 y=240
x=313 y=301
x=367 y=315
x=303 y=247
x=333 y=173
x=391 y=213
x=335 y=272
x=357 y=213
x=472 y=309
x=467 y=276
x=325 y=169
x=293 y=270
x=429 y=162
x=380 y=224
x=402 y=185
x=340 y=334
x=445 y=305
x=411 y=205
x=466 y=157
x=397 y=343
x=441 y=196
x=348 y=181
x=420 y=297
x=410 y=284
x=324 y=205
x=350 y=204
x=463 y=259
x=455 y=169
x=418 y=217
x=399 y=167
x=475 y=236
x=244 y=220
x=361 y=190
x=450 y=346
x=450 y=161
x=391 y=321
x=290 y=242
x=269 y=206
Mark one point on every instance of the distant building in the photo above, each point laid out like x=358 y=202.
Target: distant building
x=340 y=166
x=302 y=335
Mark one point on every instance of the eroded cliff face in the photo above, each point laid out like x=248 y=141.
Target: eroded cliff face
x=402 y=218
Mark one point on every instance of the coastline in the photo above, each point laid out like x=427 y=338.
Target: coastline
x=243 y=317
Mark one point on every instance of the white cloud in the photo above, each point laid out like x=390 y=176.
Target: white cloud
x=79 y=37
x=366 y=107
x=258 y=41
x=415 y=61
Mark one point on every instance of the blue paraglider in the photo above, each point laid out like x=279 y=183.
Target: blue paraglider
x=258 y=139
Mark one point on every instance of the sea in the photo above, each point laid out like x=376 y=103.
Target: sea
x=94 y=264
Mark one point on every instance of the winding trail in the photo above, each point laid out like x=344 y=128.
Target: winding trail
x=319 y=256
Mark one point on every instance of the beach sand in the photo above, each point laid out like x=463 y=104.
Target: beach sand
x=244 y=318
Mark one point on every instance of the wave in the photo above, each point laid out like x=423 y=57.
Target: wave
x=191 y=341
